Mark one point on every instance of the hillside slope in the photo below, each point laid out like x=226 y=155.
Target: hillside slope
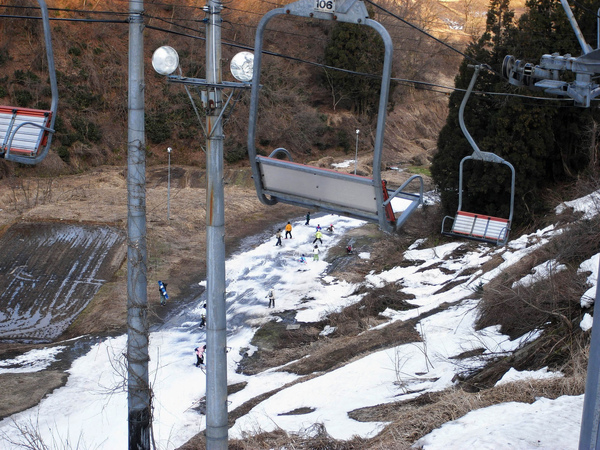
x=300 y=114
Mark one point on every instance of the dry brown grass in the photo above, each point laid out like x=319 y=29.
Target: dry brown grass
x=374 y=302
x=414 y=419
x=313 y=438
x=521 y=309
x=551 y=304
x=410 y=420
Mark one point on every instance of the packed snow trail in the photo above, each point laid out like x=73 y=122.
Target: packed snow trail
x=92 y=407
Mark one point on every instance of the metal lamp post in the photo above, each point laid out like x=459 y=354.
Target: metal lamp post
x=356 y=154
x=169 y=185
x=165 y=61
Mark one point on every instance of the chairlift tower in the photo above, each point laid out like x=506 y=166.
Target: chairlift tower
x=166 y=61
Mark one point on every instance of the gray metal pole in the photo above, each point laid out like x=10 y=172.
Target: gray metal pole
x=589 y=438
x=138 y=388
x=585 y=47
x=356 y=153
x=216 y=363
x=169 y=185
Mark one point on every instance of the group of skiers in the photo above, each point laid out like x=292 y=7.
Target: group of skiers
x=200 y=350
x=318 y=237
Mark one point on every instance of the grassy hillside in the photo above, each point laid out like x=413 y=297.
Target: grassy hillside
x=298 y=109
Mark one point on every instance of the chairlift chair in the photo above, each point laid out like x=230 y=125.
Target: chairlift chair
x=479 y=227
x=25 y=133
x=278 y=180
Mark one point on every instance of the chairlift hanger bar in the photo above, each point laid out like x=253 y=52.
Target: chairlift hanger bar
x=350 y=11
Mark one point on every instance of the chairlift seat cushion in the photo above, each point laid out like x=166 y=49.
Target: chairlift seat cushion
x=27 y=139
x=321 y=187
x=480 y=226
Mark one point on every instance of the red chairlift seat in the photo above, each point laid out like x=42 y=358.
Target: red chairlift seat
x=23 y=130
x=26 y=134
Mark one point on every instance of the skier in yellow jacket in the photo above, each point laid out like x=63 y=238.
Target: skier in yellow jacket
x=318 y=236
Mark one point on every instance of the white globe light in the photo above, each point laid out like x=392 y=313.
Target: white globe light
x=242 y=66
x=165 y=60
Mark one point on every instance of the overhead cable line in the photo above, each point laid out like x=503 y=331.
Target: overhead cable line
x=64 y=19
x=414 y=83
x=176 y=24
x=81 y=11
x=168 y=5
x=487 y=67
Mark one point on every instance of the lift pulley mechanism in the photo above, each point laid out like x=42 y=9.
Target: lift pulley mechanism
x=278 y=180
x=25 y=133
x=547 y=75
x=479 y=227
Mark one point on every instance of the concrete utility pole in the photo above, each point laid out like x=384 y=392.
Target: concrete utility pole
x=138 y=389
x=216 y=364
x=589 y=436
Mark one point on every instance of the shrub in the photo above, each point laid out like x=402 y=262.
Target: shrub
x=158 y=128
x=83 y=98
x=235 y=153
x=23 y=98
x=4 y=56
x=74 y=51
x=86 y=130
x=63 y=153
x=22 y=77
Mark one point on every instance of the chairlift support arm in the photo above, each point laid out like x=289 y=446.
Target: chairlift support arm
x=546 y=75
x=477 y=226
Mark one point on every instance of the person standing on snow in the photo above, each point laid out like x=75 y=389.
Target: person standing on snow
x=316 y=253
x=271 y=298
x=307 y=218
x=318 y=236
x=203 y=316
x=162 y=289
x=200 y=355
x=288 y=230
x=278 y=236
